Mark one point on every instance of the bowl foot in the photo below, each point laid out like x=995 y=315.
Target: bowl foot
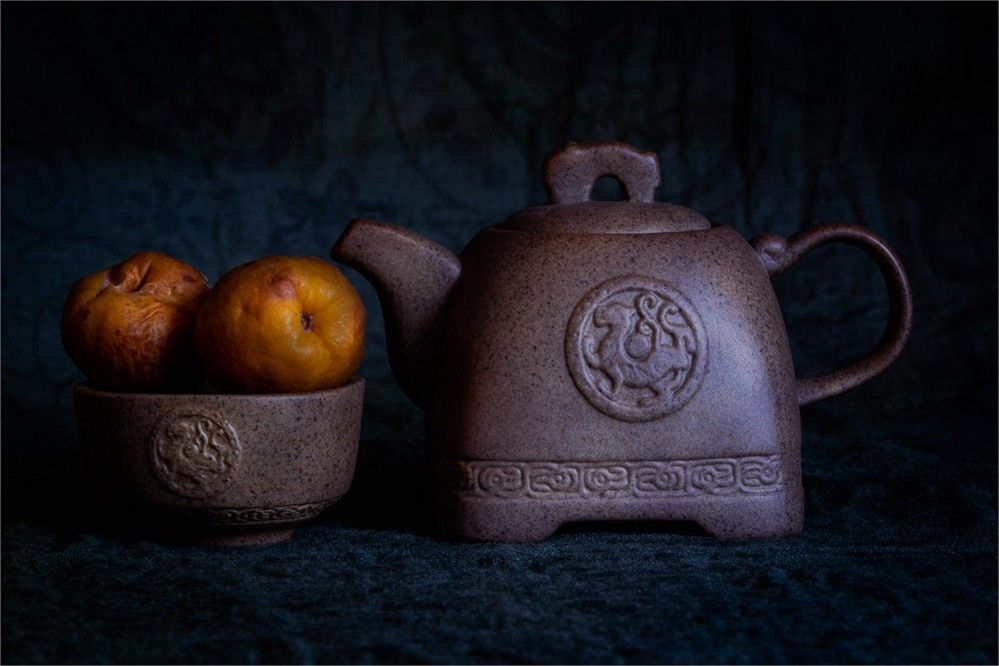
x=241 y=539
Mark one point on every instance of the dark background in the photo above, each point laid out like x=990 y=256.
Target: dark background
x=220 y=133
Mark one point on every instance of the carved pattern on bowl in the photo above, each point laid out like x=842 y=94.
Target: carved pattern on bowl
x=243 y=516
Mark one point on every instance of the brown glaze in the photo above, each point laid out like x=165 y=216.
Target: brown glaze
x=413 y=277
x=221 y=469
x=779 y=254
x=607 y=361
x=571 y=172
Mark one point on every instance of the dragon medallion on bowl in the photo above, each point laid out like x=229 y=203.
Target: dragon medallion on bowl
x=194 y=454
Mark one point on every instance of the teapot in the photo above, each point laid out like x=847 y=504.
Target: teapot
x=592 y=360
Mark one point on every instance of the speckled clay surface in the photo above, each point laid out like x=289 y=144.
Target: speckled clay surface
x=607 y=360
x=221 y=469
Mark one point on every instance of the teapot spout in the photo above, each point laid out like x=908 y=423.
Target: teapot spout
x=413 y=276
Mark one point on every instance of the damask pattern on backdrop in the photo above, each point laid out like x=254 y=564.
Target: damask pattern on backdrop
x=222 y=132
x=221 y=136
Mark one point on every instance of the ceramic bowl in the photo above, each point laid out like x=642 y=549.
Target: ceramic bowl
x=221 y=469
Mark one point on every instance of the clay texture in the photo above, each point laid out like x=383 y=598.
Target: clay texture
x=608 y=360
x=221 y=469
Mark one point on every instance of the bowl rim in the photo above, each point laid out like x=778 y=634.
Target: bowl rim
x=86 y=389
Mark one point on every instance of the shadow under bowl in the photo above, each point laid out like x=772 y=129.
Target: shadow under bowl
x=220 y=469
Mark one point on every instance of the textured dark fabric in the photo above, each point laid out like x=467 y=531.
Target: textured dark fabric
x=219 y=133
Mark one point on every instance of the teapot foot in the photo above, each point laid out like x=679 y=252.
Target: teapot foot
x=522 y=519
x=751 y=525
x=491 y=521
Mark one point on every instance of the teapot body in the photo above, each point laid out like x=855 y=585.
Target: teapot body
x=608 y=361
x=614 y=376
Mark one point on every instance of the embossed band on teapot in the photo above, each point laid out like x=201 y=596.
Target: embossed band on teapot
x=636 y=348
x=194 y=454
x=750 y=475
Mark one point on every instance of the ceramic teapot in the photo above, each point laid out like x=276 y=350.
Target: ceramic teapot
x=589 y=360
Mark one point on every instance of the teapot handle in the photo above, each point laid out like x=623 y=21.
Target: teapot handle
x=571 y=171
x=778 y=254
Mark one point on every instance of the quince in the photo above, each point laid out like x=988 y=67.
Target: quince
x=131 y=327
x=281 y=325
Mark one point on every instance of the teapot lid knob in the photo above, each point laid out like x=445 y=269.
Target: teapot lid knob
x=571 y=171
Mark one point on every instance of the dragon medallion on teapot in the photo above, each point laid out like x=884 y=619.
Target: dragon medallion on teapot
x=636 y=348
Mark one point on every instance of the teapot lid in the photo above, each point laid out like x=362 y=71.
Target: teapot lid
x=570 y=173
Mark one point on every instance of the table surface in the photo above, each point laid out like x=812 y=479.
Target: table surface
x=897 y=563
